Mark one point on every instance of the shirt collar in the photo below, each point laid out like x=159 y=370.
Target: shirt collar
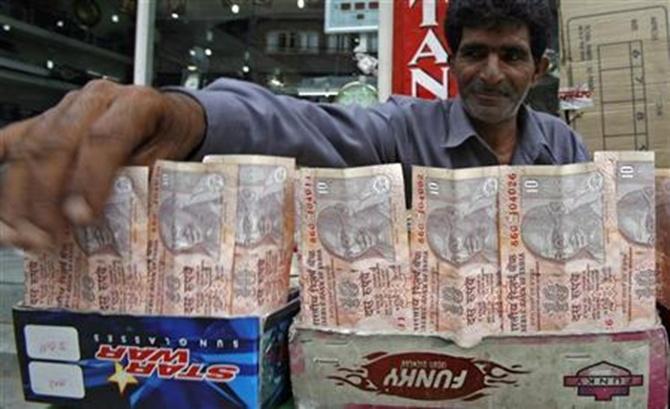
x=460 y=128
x=531 y=145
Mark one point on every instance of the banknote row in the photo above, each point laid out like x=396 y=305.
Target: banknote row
x=212 y=239
x=494 y=250
x=491 y=250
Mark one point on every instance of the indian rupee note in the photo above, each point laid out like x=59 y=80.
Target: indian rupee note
x=663 y=235
x=264 y=231
x=135 y=272
x=631 y=252
x=54 y=279
x=40 y=270
x=454 y=252
x=115 y=247
x=296 y=262
x=191 y=238
x=552 y=250
x=355 y=253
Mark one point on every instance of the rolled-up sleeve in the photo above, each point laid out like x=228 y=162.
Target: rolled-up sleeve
x=246 y=118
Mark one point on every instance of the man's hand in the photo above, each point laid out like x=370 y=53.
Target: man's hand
x=59 y=166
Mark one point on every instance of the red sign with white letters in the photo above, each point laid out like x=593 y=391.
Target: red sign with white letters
x=420 y=58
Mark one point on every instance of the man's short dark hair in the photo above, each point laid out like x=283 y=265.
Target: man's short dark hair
x=535 y=14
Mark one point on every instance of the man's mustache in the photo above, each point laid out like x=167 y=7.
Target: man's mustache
x=479 y=87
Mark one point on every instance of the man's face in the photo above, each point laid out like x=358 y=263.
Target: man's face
x=494 y=69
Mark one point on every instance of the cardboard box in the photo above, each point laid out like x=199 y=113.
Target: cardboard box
x=620 y=50
x=89 y=360
x=347 y=370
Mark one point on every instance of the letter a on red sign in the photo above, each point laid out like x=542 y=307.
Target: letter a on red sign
x=420 y=52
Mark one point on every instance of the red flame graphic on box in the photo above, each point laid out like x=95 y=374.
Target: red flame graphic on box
x=427 y=376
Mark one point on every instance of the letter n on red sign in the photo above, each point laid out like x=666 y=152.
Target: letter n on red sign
x=420 y=60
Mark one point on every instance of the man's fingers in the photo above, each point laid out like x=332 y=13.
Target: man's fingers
x=77 y=210
x=50 y=148
x=129 y=121
x=3 y=145
x=49 y=174
x=7 y=134
x=12 y=205
x=7 y=234
x=18 y=215
x=13 y=190
x=31 y=237
x=10 y=134
x=38 y=154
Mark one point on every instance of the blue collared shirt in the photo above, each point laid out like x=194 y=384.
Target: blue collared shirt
x=246 y=118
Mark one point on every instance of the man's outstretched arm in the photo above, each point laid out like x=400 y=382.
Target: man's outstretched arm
x=247 y=118
x=59 y=166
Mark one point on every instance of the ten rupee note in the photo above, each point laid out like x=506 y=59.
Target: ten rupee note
x=191 y=238
x=115 y=247
x=264 y=231
x=552 y=251
x=631 y=236
x=454 y=247
x=354 y=248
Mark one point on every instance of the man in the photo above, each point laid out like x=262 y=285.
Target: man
x=61 y=163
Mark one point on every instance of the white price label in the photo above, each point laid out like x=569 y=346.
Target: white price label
x=52 y=342
x=59 y=380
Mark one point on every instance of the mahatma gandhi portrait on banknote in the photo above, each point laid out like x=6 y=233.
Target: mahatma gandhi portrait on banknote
x=565 y=216
x=260 y=209
x=190 y=213
x=354 y=221
x=636 y=216
x=111 y=233
x=466 y=228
